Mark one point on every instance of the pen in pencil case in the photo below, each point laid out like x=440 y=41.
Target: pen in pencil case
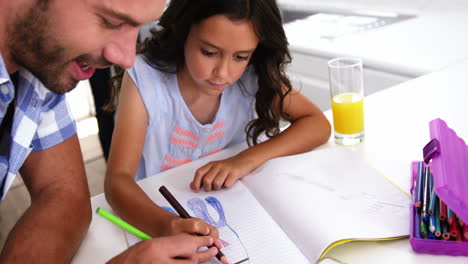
x=182 y=213
x=425 y=196
x=418 y=189
x=122 y=224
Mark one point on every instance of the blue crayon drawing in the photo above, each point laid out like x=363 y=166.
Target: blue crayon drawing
x=233 y=247
x=167 y=208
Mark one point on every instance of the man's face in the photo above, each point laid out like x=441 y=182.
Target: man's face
x=62 y=41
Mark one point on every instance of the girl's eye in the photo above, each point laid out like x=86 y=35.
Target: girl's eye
x=242 y=58
x=207 y=53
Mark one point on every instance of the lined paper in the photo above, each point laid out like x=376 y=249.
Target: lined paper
x=329 y=195
x=250 y=231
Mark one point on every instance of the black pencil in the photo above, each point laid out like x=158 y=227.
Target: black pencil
x=181 y=211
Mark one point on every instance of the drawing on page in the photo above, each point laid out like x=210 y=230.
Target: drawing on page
x=233 y=248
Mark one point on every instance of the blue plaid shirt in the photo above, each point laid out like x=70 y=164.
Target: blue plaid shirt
x=41 y=120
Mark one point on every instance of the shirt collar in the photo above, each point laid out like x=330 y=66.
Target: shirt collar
x=7 y=91
x=4 y=76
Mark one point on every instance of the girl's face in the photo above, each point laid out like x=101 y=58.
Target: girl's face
x=217 y=51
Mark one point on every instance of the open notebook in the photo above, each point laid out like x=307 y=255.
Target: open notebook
x=292 y=209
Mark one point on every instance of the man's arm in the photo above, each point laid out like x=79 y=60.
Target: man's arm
x=51 y=230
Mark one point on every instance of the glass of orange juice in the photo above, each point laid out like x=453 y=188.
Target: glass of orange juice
x=347 y=99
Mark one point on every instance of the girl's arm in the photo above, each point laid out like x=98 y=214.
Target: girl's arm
x=121 y=191
x=309 y=128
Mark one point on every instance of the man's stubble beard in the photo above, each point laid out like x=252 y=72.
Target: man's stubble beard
x=33 y=46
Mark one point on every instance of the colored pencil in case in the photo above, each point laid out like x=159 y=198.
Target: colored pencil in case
x=423 y=229
x=443 y=210
x=459 y=236
x=418 y=189
x=445 y=230
x=454 y=229
x=432 y=197
x=437 y=232
x=465 y=231
x=432 y=225
x=425 y=196
x=449 y=215
x=417 y=223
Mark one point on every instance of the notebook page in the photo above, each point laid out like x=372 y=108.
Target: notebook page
x=329 y=195
x=248 y=233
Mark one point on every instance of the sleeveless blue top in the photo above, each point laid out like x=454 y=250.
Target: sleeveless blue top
x=173 y=135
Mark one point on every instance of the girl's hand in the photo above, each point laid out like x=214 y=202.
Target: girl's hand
x=222 y=173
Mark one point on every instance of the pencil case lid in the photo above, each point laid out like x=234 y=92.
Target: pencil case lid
x=448 y=154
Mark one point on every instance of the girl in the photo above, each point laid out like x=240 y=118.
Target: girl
x=211 y=77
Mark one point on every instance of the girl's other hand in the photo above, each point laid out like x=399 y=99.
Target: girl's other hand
x=222 y=173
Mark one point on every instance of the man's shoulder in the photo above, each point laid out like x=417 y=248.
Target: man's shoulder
x=55 y=122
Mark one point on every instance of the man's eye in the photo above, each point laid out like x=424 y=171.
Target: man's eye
x=111 y=25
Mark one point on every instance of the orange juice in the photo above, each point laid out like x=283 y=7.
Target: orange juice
x=348 y=113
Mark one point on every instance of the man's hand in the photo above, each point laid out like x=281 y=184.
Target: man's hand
x=179 y=249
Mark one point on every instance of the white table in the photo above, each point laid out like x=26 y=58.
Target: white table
x=397 y=127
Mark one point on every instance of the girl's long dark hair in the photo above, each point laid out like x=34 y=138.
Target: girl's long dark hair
x=165 y=49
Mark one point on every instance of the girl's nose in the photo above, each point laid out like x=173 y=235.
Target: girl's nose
x=222 y=69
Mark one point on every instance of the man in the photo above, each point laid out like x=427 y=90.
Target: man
x=46 y=47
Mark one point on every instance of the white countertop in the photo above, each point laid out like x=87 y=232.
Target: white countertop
x=431 y=41
x=397 y=128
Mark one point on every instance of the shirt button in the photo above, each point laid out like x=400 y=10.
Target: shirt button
x=4 y=89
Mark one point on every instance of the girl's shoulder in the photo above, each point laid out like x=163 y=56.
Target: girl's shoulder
x=145 y=65
x=154 y=86
x=143 y=72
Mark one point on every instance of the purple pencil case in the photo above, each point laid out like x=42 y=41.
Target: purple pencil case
x=447 y=156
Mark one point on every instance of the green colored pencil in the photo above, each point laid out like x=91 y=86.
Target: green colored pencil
x=423 y=229
x=122 y=224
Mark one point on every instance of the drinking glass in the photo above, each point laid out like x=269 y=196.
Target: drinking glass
x=347 y=99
